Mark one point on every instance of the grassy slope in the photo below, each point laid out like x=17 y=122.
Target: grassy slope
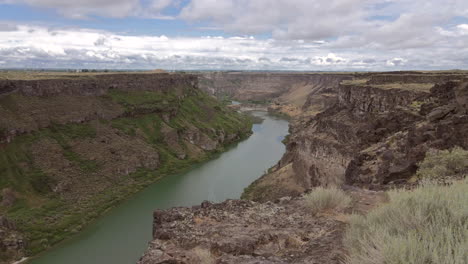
x=46 y=218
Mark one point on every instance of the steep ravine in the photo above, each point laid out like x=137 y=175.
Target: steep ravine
x=369 y=139
x=73 y=147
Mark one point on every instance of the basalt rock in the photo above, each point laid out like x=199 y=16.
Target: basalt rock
x=8 y=197
x=238 y=231
x=12 y=244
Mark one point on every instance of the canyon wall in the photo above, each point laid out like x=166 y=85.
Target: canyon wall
x=288 y=92
x=36 y=104
x=373 y=136
x=70 y=148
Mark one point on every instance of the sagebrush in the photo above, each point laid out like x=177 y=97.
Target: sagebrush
x=440 y=163
x=426 y=225
x=330 y=198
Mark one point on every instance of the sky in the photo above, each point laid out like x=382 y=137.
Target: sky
x=298 y=35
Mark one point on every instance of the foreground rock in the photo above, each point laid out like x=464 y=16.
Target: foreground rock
x=238 y=231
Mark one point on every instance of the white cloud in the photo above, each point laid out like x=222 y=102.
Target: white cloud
x=33 y=46
x=81 y=9
x=281 y=34
x=463 y=29
x=396 y=62
x=284 y=19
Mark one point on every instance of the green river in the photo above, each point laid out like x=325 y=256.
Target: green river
x=121 y=236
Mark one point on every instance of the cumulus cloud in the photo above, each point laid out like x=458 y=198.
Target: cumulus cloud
x=80 y=9
x=286 y=34
x=34 y=46
x=376 y=24
x=284 y=19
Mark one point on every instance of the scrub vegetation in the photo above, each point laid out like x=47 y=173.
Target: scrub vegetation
x=331 y=198
x=425 y=225
x=442 y=163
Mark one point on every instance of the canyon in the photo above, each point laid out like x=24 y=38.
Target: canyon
x=74 y=146
x=368 y=136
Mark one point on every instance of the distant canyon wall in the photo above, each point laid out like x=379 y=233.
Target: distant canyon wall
x=36 y=104
x=290 y=88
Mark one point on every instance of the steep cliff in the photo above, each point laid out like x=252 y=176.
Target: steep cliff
x=288 y=93
x=71 y=148
x=375 y=134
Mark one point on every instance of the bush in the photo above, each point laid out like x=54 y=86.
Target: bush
x=326 y=199
x=440 y=163
x=426 y=225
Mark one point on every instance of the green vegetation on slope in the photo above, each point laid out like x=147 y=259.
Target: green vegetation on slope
x=46 y=215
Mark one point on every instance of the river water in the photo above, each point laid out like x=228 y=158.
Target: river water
x=122 y=235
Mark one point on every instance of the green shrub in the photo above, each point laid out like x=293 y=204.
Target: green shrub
x=440 y=163
x=330 y=198
x=426 y=225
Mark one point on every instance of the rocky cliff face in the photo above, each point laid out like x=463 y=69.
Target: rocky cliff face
x=374 y=135
x=29 y=105
x=71 y=148
x=290 y=93
x=96 y=85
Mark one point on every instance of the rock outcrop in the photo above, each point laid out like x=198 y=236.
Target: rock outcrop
x=12 y=244
x=237 y=231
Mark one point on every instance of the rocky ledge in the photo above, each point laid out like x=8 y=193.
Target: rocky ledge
x=247 y=232
x=237 y=231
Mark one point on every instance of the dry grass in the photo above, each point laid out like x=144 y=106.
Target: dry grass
x=355 y=82
x=426 y=225
x=321 y=199
x=420 y=87
x=203 y=256
x=441 y=163
x=41 y=75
